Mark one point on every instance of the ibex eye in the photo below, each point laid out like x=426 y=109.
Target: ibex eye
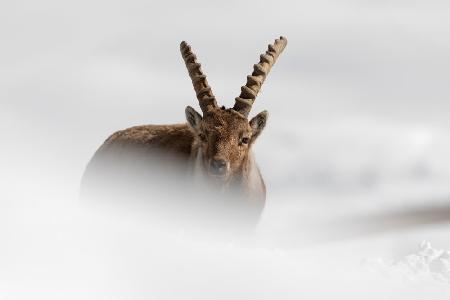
x=244 y=140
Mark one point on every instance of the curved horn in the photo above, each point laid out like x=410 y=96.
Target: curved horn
x=251 y=89
x=205 y=96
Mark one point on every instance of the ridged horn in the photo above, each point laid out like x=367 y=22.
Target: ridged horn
x=202 y=89
x=251 y=89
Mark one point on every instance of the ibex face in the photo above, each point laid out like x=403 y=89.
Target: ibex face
x=224 y=138
x=214 y=145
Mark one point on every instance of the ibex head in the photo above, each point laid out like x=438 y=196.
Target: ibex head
x=225 y=136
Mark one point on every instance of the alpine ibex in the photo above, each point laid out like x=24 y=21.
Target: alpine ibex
x=215 y=146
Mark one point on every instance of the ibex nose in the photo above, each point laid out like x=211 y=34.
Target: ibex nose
x=218 y=167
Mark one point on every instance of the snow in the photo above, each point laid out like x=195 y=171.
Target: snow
x=355 y=153
x=427 y=264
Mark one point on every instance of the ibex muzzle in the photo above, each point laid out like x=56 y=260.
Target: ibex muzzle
x=218 y=167
x=215 y=144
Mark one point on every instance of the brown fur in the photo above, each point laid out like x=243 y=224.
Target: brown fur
x=176 y=139
x=222 y=129
x=215 y=147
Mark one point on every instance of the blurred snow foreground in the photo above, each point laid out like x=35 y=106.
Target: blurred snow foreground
x=359 y=128
x=425 y=265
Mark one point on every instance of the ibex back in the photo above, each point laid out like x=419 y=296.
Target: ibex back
x=212 y=149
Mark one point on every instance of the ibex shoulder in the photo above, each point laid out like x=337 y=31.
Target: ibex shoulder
x=175 y=137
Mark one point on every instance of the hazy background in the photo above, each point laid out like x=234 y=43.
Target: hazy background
x=357 y=140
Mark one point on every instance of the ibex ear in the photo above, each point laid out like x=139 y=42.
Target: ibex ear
x=257 y=124
x=193 y=118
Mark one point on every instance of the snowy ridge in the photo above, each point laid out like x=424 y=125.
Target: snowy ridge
x=428 y=264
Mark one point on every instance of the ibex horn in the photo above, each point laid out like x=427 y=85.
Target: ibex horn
x=251 y=89
x=202 y=89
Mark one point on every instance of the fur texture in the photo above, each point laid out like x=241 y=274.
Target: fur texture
x=211 y=151
x=181 y=150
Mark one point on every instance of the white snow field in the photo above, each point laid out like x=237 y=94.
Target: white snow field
x=428 y=264
x=355 y=153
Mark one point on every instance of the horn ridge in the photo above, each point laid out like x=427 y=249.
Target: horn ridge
x=203 y=91
x=251 y=89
